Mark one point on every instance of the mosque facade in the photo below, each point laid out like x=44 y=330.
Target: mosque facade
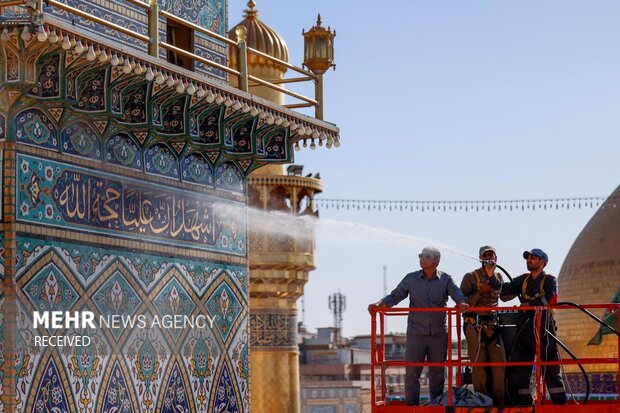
x=126 y=159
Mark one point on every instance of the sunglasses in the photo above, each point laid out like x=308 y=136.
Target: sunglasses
x=426 y=256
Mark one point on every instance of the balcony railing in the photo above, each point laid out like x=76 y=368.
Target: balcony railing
x=152 y=15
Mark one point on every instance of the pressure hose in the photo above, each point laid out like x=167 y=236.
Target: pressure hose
x=570 y=353
x=592 y=316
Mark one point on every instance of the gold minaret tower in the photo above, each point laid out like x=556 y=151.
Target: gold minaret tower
x=279 y=260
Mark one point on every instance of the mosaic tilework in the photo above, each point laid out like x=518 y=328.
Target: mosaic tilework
x=201 y=355
x=84 y=366
x=1 y=248
x=13 y=66
x=196 y=169
x=240 y=357
x=49 y=77
x=1 y=186
x=224 y=305
x=229 y=176
x=210 y=14
x=148 y=354
x=275 y=146
x=206 y=129
x=241 y=137
x=50 y=290
x=172 y=300
x=86 y=262
x=62 y=195
x=80 y=139
x=2 y=127
x=173 y=119
x=92 y=91
x=117 y=296
x=29 y=359
x=123 y=151
x=225 y=393
x=134 y=104
x=1 y=312
x=117 y=396
x=146 y=370
x=51 y=395
x=119 y=12
x=93 y=112
x=160 y=160
x=34 y=127
x=176 y=396
x=101 y=115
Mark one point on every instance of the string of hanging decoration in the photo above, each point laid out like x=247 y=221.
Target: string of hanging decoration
x=468 y=206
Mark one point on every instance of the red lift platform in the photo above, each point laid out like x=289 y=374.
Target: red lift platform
x=383 y=404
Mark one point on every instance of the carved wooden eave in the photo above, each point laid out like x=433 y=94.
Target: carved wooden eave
x=189 y=112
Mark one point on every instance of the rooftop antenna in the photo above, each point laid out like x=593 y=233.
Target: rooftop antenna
x=337 y=304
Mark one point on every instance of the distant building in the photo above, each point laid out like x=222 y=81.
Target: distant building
x=336 y=377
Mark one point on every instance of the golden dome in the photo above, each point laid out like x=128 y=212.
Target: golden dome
x=260 y=37
x=590 y=274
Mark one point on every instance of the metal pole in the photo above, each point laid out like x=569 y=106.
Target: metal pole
x=537 y=364
x=373 y=357
x=459 y=376
x=385 y=290
x=382 y=346
x=318 y=96
x=611 y=309
x=242 y=56
x=449 y=315
x=154 y=28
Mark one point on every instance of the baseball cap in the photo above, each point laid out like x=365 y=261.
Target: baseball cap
x=485 y=249
x=537 y=252
x=432 y=251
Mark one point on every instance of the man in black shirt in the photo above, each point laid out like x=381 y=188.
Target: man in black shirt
x=535 y=288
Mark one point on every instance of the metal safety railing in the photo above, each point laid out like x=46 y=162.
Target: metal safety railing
x=153 y=14
x=379 y=362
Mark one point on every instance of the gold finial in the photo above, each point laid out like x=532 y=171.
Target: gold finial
x=241 y=33
x=250 y=11
x=318 y=20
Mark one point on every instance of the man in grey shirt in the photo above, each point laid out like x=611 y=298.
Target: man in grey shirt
x=426 y=331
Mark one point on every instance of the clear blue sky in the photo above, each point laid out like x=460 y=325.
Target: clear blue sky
x=455 y=100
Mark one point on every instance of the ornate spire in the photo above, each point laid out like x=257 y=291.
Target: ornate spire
x=250 y=11
x=260 y=37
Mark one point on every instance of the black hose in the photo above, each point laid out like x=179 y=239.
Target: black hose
x=583 y=371
x=512 y=282
x=570 y=353
x=592 y=316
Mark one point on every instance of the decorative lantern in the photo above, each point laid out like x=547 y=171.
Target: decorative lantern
x=319 y=48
